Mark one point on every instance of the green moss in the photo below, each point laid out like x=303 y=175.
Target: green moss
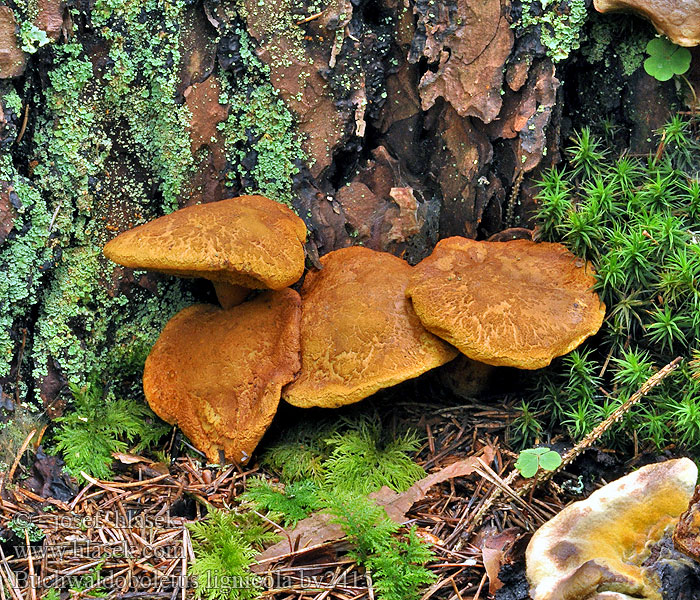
x=635 y=220
x=101 y=425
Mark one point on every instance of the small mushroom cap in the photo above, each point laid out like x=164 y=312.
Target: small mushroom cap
x=359 y=333
x=218 y=373
x=598 y=545
x=250 y=241
x=679 y=20
x=513 y=304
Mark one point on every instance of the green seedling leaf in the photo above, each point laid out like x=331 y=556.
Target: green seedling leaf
x=531 y=460
x=550 y=460
x=527 y=464
x=666 y=59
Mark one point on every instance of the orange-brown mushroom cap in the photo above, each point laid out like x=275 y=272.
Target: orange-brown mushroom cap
x=359 y=333
x=250 y=241
x=516 y=304
x=218 y=373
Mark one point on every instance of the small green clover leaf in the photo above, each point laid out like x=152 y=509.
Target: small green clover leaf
x=531 y=460
x=666 y=59
x=527 y=464
x=550 y=461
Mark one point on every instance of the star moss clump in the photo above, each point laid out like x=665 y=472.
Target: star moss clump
x=636 y=220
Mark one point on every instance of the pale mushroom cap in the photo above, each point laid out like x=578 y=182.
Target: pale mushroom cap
x=359 y=332
x=514 y=304
x=250 y=241
x=218 y=373
x=598 y=544
x=679 y=20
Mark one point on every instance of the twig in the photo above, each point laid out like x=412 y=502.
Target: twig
x=493 y=477
x=616 y=415
x=185 y=536
x=30 y=563
x=116 y=485
x=311 y=18
x=15 y=464
x=579 y=448
x=20 y=135
x=491 y=500
x=481 y=586
x=278 y=527
x=456 y=589
x=8 y=577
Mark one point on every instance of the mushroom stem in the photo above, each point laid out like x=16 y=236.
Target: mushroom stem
x=229 y=294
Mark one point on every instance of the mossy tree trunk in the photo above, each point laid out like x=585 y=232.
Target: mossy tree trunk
x=387 y=123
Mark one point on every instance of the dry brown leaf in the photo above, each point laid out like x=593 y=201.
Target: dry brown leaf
x=495 y=546
x=397 y=505
x=130 y=459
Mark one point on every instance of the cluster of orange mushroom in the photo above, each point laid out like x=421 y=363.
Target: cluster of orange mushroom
x=366 y=321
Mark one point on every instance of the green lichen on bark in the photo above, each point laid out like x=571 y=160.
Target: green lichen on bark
x=616 y=40
x=21 y=259
x=260 y=122
x=85 y=329
x=93 y=113
x=109 y=148
x=141 y=84
x=559 y=25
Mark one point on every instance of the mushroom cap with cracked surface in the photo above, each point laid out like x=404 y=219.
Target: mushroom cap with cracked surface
x=359 y=333
x=250 y=241
x=218 y=373
x=515 y=304
x=599 y=545
x=679 y=20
